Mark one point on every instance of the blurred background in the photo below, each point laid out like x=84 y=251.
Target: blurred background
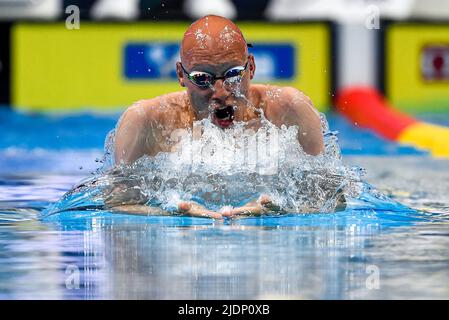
x=378 y=69
x=65 y=55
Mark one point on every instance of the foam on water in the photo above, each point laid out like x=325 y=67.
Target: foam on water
x=218 y=167
x=229 y=167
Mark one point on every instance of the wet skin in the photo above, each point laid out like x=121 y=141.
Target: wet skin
x=214 y=45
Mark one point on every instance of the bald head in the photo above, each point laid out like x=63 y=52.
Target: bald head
x=212 y=38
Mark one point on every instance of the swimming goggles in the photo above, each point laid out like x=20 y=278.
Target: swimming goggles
x=204 y=79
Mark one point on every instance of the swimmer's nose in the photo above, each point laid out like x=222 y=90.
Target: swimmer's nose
x=220 y=92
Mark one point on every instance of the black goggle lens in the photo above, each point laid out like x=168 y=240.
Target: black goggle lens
x=201 y=79
x=234 y=72
x=204 y=79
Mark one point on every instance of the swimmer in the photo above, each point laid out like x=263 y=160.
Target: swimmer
x=216 y=70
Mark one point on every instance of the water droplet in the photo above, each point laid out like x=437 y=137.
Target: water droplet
x=226 y=167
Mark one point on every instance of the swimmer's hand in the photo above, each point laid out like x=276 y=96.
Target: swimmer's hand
x=254 y=208
x=194 y=209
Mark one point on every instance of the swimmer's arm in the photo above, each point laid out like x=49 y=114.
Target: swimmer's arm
x=190 y=208
x=193 y=209
x=131 y=140
x=295 y=108
x=140 y=210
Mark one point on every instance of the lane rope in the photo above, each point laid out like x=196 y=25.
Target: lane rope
x=367 y=108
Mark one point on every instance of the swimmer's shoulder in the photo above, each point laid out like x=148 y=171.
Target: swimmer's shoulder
x=273 y=94
x=282 y=98
x=159 y=108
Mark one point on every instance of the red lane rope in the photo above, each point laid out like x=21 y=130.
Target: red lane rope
x=366 y=107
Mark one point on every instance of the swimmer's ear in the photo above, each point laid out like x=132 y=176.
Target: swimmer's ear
x=180 y=74
x=252 y=66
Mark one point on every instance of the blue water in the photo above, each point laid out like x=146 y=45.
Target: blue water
x=99 y=254
x=87 y=131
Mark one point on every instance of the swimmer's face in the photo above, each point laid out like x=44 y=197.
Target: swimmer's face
x=208 y=55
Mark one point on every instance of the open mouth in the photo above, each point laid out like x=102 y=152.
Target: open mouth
x=224 y=116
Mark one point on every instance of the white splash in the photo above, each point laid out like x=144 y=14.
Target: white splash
x=226 y=167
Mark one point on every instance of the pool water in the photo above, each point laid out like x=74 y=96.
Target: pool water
x=393 y=253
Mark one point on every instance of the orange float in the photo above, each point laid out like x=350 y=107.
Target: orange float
x=366 y=107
